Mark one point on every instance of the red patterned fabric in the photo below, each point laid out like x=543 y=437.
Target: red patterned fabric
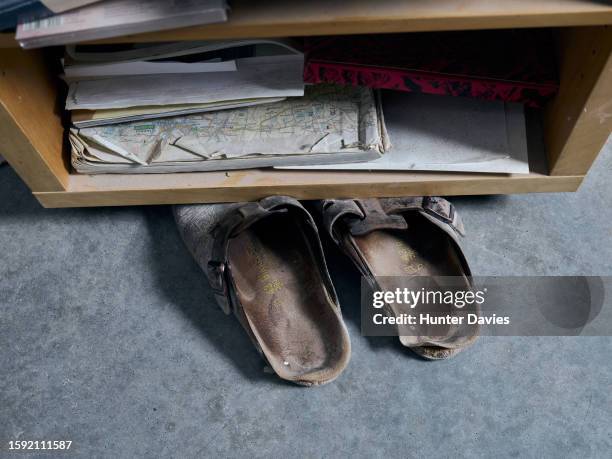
x=513 y=66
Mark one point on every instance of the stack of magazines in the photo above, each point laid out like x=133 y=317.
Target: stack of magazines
x=12 y=10
x=59 y=22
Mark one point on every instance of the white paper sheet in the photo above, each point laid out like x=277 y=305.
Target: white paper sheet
x=274 y=76
x=77 y=72
x=95 y=62
x=455 y=134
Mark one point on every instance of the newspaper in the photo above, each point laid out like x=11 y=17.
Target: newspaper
x=328 y=125
x=114 y=18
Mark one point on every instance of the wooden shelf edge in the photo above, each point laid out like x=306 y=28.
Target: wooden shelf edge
x=7 y=40
x=341 y=17
x=376 y=185
x=249 y=19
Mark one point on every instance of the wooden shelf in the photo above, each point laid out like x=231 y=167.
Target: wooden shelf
x=273 y=18
x=575 y=127
x=246 y=185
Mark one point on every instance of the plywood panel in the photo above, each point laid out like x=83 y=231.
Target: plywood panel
x=31 y=133
x=255 y=184
x=579 y=120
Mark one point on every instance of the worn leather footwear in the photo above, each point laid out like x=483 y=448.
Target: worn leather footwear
x=265 y=264
x=408 y=238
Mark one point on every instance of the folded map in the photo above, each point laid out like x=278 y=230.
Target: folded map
x=329 y=125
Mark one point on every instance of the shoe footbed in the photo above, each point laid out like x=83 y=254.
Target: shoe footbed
x=420 y=250
x=285 y=301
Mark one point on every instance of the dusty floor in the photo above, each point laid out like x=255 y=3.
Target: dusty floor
x=109 y=338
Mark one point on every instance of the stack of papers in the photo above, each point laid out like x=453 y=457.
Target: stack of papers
x=153 y=81
x=203 y=106
x=90 y=118
x=329 y=124
x=269 y=76
x=114 y=18
x=84 y=61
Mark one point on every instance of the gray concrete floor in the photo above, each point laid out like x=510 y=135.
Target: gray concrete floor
x=109 y=338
